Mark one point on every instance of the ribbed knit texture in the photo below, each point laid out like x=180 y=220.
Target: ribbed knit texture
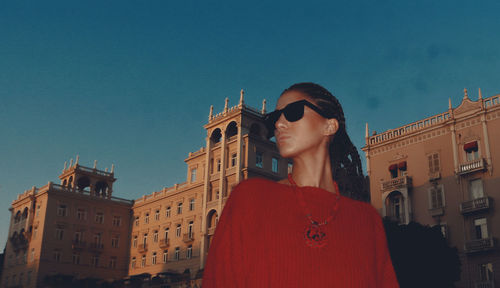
x=259 y=241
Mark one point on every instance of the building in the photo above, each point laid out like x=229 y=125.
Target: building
x=74 y=228
x=172 y=229
x=78 y=228
x=440 y=171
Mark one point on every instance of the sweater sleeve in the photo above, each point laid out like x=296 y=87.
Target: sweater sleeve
x=387 y=276
x=225 y=257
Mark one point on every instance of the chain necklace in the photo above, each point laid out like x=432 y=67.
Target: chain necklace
x=314 y=233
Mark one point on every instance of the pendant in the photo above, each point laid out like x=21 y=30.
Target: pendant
x=314 y=236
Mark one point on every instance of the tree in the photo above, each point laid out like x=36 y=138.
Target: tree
x=421 y=255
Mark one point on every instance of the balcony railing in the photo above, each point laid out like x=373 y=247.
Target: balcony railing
x=484 y=284
x=77 y=244
x=164 y=243
x=434 y=212
x=433 y=176
x=400 y=182
x=479 y=245
x=475 y=205
x=471 y=166
x=188 y=237
x=142 y=248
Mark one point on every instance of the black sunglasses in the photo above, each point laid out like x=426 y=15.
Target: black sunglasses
x=293 y=112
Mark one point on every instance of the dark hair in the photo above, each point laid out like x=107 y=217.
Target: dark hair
x=344 y=157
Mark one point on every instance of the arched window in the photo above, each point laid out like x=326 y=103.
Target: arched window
x=395 y=206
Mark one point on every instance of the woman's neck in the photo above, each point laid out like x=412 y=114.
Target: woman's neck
x=313 y=170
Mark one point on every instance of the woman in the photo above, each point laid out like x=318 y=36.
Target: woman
x=301 y=232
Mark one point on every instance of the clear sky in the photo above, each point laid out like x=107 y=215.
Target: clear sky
x=131 y=82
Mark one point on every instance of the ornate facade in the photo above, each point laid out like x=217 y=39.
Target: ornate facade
x=440 y=171
x=78 y=228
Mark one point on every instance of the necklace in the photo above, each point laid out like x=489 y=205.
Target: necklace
x=314 y=233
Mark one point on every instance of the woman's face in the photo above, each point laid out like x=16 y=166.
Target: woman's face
x=306 y=135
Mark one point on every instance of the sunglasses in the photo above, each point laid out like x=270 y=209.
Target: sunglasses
x=293 y=112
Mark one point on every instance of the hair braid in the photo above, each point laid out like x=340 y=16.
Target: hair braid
x=344 y=157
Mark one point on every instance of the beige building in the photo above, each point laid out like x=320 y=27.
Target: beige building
x=172 y=228
x=73 y=228
x=441 y=171
x=77 y=228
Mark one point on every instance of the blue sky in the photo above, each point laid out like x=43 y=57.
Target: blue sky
x=131 y=82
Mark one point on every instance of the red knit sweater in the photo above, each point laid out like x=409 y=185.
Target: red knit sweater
x=259 y=241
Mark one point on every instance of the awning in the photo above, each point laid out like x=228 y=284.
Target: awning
x=402 y=165
x=471 y=146
x=393 y=167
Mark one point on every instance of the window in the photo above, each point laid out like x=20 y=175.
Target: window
x=275 y=165
x=193 y=175
x=190 y=229
x=166 y=233
x=179 y=208
x=57 y=256
x=189 y=253
x=393 y=169
x=145 y=239
x=35 y=232
x=157 y=215
x=480 y=228
x=233 y=159
x=165 y=256
x=191 y=204
x=97 y=240
x=134 y=242
x=94 y=262
x=136 y=220
x=99 y=217
x=37 y=210
x=132 y=263
x=433 y=160
x=25 y=257
x=114 y=241
x=178 y=230
x=486 y=272
x=81 y=214
x=258 y=159
x=76 y=258
x=177 y=253
x=167 y=212
x=476 y=189
x=32 y=255
x=78 y=238
x=395 y=207
x=146 y=218
x=436 y=197
x=59 y=234
x=155 y=236
x=112 y=262
x=117 y=221
x=153 y=258
x=61 y=210
x=471 y=151
x=218 y=165
x=143 y=261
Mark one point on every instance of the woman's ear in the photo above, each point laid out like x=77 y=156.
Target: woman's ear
x=332 y=125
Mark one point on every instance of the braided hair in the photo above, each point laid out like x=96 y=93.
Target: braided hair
x=344 y=157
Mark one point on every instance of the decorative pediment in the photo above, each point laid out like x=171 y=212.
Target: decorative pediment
x=467 y=105
x=399 y=156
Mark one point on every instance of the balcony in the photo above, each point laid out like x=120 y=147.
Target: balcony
x=188 y=237
x=433 y=176
x=484 y=284
x=395 y=183
x=96 y=247
x=479 y=245
x=435 y=212
x=475 y=205
x=164 y=243
x=472 y=166
x=142 y=248
x=78 y=245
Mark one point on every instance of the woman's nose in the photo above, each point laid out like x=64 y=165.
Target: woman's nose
x=281 y=123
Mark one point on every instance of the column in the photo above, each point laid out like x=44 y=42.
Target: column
x=206 y=180
x=487 y=143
